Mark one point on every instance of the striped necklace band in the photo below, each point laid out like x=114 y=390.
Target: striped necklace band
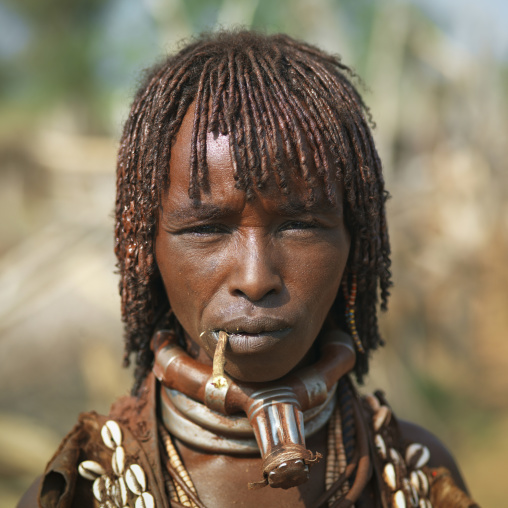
x=196 y=425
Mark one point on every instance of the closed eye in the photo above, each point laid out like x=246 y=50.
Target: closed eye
x=204 y=229
x=299 y=224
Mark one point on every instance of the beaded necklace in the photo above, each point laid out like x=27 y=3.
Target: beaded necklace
x=404 y=480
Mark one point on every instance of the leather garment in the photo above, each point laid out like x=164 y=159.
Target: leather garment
x=61 y=486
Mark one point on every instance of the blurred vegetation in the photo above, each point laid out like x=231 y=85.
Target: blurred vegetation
x=67 y=71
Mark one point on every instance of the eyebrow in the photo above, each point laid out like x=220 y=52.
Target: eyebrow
x=203 y=211
x=294 y=208
x=210 y=211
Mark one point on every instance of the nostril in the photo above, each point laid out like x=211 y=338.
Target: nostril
x=254 y=296
x=256 y=290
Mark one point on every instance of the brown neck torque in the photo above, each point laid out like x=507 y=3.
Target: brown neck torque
x=274 y=409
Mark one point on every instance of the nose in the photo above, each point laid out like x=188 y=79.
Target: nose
x=255 y=274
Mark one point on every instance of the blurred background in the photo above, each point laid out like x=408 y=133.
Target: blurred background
x=436 y=79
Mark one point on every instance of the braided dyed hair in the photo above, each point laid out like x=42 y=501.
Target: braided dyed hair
x=267 y=93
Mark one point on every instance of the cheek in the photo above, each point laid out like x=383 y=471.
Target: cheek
x=188 y=278
x=318 y=276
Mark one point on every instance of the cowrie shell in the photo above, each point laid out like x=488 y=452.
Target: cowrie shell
x=414 y=480
x=145 y=500
x=90 y=469
x=118 y=460
x=417 y=455
x=111 y=434
x=411 y=492
x=373 y=402
x=108 y=485
x=389 y=476
x=115 y=495
x=380 y=446
x=121 y=492
x=420 y=482
x=135 y=479
x=424 y=503
x=399 y=499
x=413 y=495
x=395 y=456
x=381 y=418
x=99 y=489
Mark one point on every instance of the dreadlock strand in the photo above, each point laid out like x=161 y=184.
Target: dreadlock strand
x=294 y=128
x=198 y=138
x=307 y=50
x=217 y=96
x=283 y=123
x=248 y=115
x=260 y=166
x=274 y=148
x=242 y=135
x=286 y=121
x=314 y=137
x=238 y=171
x=203 y=130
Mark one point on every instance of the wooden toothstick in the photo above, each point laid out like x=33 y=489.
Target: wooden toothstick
x=219 y=360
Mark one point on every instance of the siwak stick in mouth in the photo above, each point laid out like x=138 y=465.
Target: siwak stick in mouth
x=219 y=360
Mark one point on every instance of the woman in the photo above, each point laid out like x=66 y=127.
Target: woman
x=253 y=249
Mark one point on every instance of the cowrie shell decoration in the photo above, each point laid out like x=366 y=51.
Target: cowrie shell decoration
x=111 y=492
x=145 y=500
x=135 y=479
x=99 y=490
x=90 y=469
x=389 y=476
x=401 y=473
x=395 y=456
x=410 y=491
x=381 y=417
x=417 y=455
x=420 y=482
x=111 y=434
x=399 y=499
x=118 y=460
x=380 y=446
x=121 y=492
x=373 y=402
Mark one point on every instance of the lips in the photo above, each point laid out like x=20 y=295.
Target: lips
x=251 y=335
x=242 y=344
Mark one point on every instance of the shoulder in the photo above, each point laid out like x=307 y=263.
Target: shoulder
x=57 y=486
x=440 y=456
x=100 y=451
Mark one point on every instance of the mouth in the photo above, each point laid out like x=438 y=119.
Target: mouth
x=250 y=336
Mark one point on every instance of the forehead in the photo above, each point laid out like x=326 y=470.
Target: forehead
x=220 y=170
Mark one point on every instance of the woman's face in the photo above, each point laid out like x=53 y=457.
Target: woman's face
x=265 y=270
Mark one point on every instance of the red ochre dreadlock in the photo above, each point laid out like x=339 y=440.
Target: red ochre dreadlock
x=273 y=96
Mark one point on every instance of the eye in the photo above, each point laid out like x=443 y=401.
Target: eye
x=298 y=224
x=205 y=229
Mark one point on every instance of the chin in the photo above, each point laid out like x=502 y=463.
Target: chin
x=257 y=374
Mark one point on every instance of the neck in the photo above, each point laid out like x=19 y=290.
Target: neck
x=196 y=425
x=275 y=409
